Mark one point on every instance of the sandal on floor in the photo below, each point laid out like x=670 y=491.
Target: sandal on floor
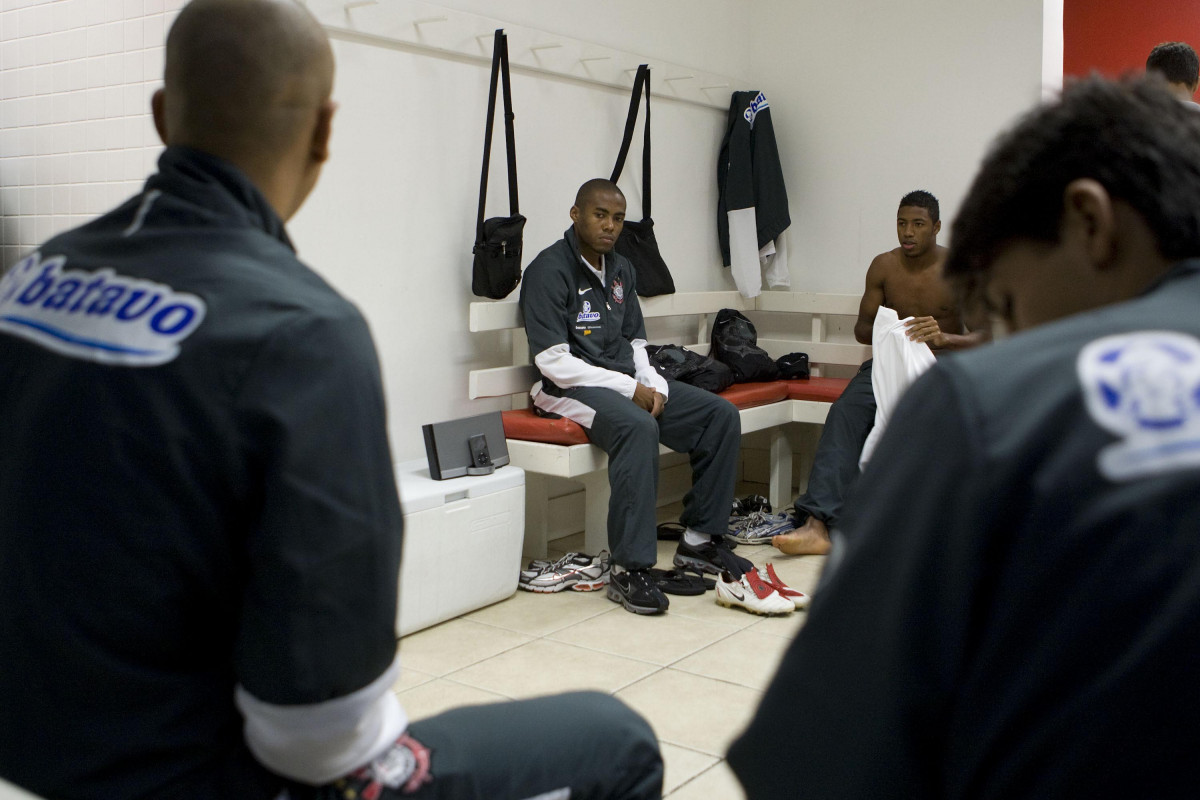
x=681 y=581
x=670 y=531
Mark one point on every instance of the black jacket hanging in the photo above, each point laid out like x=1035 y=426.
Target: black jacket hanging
x=497 y=267
x=637 y=242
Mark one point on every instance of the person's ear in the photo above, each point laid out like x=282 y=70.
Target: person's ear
x=159 y=110
x=319 y=147
x=1089 y=221
x=937 y=227
x=575 y=212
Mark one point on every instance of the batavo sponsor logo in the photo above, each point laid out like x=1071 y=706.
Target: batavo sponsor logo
x=98 y=316
x=756 y=105
x=587 y=315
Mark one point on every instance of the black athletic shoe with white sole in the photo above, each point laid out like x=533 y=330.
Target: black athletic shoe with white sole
x=714 y=558
x=638 y=591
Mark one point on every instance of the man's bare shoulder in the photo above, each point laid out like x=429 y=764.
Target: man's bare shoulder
x=885 y=262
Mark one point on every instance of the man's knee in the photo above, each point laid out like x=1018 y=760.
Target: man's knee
x=638 y=427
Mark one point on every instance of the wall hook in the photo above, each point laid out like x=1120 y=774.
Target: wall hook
x=352 y=4
x=549 y=46
x=427 y=20
x=594 y=58
x=680 y=78
x=714 y=86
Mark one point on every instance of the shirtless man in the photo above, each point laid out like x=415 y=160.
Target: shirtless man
x=909 y=280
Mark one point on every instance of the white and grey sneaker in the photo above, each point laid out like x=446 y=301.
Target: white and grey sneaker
x=751 y=593
x=578 y=571
x=759 y=527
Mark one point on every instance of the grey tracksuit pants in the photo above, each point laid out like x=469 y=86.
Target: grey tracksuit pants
x=694 y=421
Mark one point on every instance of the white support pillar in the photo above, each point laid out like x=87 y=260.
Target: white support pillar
x=596 y=493
x=780 y=488
x=536 y=504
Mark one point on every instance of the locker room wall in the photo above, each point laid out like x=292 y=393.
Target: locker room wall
x=392 y=221
x=1114 y=37
x=876 y=98
x=870 y=99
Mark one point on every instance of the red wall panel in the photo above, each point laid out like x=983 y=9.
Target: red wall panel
x=1115 y=36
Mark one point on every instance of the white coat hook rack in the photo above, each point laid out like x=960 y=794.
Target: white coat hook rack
x=427 y=28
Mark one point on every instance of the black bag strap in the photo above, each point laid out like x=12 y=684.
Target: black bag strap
x=499 y=70
x=642 y=79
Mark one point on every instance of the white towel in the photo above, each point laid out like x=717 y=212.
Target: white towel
x=898 y=362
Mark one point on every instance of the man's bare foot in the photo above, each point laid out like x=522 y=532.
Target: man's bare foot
x=810 y=539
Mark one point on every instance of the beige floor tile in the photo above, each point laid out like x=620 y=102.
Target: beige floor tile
x=699 y=713
x=786 y=626
x=704 y=607
x=410 y=678
x=747 y=658
x=454 y=645
x=682 y=765
x=440 y=694
x=539 y=614
x=546 y=667
x=661 y=639
x=716 y=783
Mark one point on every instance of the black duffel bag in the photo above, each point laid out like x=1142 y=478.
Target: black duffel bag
x=735 y=344
x=677 y=363
x=793 y=365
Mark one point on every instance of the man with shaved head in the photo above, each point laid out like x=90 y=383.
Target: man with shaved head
x=588 y=341
x=199 y=528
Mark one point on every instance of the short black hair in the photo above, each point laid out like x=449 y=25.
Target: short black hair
x=1176 y=61
x=594 y=187
x=923 y=199
x=1131 y=136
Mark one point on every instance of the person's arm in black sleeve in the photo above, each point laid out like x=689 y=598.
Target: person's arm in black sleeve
x=315 y=652
x=872 y=676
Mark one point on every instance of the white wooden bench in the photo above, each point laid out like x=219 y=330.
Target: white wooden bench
x=588 y=464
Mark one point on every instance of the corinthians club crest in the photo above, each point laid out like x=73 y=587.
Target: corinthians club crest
x=1144 y=387
x=618 y=290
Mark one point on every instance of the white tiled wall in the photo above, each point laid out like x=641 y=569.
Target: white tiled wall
x=76 y=136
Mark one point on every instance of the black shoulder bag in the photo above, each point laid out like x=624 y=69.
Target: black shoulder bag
x=497 y=268
x=637 y=242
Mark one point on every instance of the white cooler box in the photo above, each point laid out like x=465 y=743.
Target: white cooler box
x=462 y=542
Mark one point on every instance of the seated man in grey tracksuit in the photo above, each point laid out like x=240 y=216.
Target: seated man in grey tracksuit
x=588 y=342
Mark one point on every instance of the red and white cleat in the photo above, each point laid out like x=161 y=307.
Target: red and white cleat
x=799 y=599
x=751 y=593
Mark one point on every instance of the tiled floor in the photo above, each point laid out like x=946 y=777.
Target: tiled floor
x=696 y=673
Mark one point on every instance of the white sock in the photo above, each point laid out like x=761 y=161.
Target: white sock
x=615 y=569
x=695 y=538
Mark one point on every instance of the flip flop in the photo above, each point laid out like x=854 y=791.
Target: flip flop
x=681 y=581
x=670 y=531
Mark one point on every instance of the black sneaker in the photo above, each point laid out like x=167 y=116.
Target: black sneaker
x=714 y=558
x=638 y=591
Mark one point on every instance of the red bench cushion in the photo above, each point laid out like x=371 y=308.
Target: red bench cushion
x=749 y=395
x=523 y=424
x=826 y=389
x=526 y=426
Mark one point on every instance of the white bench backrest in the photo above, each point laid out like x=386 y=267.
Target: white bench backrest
x=519 y=376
